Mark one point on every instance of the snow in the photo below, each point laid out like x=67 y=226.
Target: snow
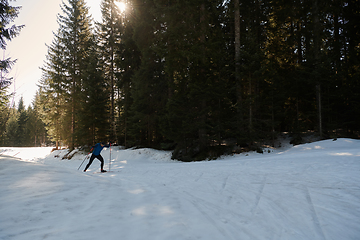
x=309 y=191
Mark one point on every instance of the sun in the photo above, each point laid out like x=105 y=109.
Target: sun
x=121 y=6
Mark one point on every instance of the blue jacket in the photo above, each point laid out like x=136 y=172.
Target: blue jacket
x=98 y=148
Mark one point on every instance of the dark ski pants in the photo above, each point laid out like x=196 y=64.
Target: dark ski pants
x=92 y=159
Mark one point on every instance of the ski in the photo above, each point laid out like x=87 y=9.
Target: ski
x=105 y=172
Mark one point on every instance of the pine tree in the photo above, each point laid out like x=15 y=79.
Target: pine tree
x=36 y=128
x=148 y=82
x=52 y=95
x=12 y=127
x=128 y=60
x=22 y=119
x=72 y=90
x=7 y=14
x=4 y=117
x=190 y=48
x=75 y=26
x=109 y=35
x=93 y=112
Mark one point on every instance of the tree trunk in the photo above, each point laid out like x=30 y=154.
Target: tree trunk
x=317 y=29
x=202 y=130
x=250 y=105
x=237 y=65
x=299 y=43
x=113 y=134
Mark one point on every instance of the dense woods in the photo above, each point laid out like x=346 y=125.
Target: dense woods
x=202 y=77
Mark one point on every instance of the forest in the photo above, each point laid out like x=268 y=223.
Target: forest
x=202 y=78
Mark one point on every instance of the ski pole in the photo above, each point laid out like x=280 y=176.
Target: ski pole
x=110 y=157
x=84 y=159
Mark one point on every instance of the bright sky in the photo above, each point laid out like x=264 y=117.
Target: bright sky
x=39 y=17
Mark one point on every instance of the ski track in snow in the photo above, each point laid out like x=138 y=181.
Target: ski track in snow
x=310 y=191
x=314 y=215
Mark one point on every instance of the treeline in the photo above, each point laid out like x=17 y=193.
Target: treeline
x=195 y=75
x=18 y=127
x=21 y=127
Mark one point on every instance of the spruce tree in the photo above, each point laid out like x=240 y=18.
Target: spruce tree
x=4 y=117
x=189 y=41
x=52 y=95
x=109 y=37
x=70 y=74
x=148 y=86
x=12 y=127
x=75 y=26
x=36 y=128
x=7 y=15
x=94 y=111
x=128 y=60
x=22 y=131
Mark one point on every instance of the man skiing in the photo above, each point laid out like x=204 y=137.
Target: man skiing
x=96 y=154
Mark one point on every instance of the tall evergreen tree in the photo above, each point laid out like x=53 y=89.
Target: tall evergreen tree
x=22 y=124
x=128 y=60
x=37 y=135
x=7 y=15
x=53 y=92
x=75 y=26
x=109 y=35
x=12 y=127
x=72 y=80
x=148 y=81
x=94 y=111
x=4 y=117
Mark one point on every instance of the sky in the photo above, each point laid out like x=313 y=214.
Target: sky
x=29 y=48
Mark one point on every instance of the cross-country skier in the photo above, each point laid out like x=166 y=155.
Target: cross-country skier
x=96 y=154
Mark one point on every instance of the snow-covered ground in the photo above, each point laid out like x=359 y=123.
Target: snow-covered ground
x=306 y=192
